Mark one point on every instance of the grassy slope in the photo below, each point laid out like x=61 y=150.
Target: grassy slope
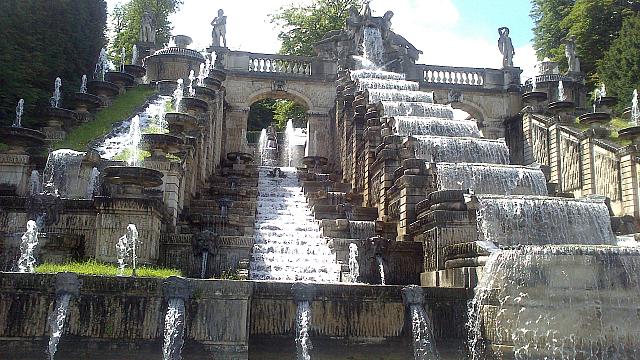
x=122 y=108
x=615 y=125
x=91 y=267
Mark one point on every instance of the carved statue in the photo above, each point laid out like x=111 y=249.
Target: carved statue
x=354 y=25
x=570 y=53
x=147 y=28
x=506 y=47
x=219 y=24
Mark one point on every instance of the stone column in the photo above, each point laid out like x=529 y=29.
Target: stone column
x=235 y=129
x=630 y=179
x=412 y=186
x=318 y=134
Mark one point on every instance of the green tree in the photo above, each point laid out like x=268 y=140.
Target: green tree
x=595 y=24
x=619 y=69
x=548 y=33
x=43 y=40
x=126 y=20
x=275 y=111
x=305 y=25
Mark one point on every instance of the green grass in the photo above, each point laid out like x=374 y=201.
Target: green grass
x=615 y=125
x=92 y=267
x=122 y=108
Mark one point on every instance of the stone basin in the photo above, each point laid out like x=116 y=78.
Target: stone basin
x=57 y=117
x=166 y=87
x=121 y=79
x=594 y=118
x=314 y=161
x=194 y=104
x=133 y=179
x=561 y=106
x=205 y=93
x=86 y=102
x=534 y=96
x=215 y=79
x=180 y=122
x=103 y=88
x=240 y=156
x=162 y=144
x=626 y=113
x=19 y=138
x=608 y=101
x=631 y=133
x=136 y=71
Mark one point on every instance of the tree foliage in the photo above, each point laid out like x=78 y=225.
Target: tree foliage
x=43 y=40
x=275 y=111
x=126 y=20
x=305 y=25
x=620 y=66
x=548 y=32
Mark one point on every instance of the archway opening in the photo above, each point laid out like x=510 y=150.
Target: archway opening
x=274 y=112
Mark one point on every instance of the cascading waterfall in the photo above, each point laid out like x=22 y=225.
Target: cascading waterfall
x=557 y=302
x=126 y=249
x=203 y=265
x=102 y=66
x=35 y=183
x=421 y=325
x=174 y=323
x=362 y=229
x=354 y=266
x=377 y=74
x=288 y=244
x=410 y=126
x=62 y=171
x=380 y=263
x=19 y=112
x=28 y=244
x=382 y=84
x=397 y=108
x=135 y=136
x=373 y=48
x=262 y=144
x=536 y=220
x=491 y=179
x=134 y=55
x=83 y=84
x=178 y=94
x=376 y=95
x=303 y=319
x=92 y=185
x=192 y=78
x=56 y=322
x=55 y=99
x=459 y=150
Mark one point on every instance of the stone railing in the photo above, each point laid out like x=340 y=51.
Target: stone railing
x=280 y=65
x=452 y=75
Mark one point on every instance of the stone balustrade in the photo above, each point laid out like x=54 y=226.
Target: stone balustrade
x=452 y=75
x=277 y=64
x=281 y=65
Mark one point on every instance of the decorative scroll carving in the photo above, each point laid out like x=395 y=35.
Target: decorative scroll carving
x=569 y=163
x=606 y=173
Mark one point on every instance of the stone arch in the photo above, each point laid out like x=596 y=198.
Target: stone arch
x=297 y=97
x=471 y=108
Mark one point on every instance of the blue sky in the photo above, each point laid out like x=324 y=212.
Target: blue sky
x=450 y=32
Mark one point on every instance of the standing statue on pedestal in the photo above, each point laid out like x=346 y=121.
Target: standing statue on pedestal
x=147 y=28
x=506 y=47
x=219 y=24
x=570 y=53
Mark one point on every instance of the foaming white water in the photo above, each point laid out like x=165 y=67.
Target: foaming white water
x=376 y=95
x=537 y=220
x=354 y=266
x=174 y=323
x=303 y=342
x=57 y=319
x=491 y=179
x=397 y=108
x=411 y=126
x=288 y=245
x=557 y=302
x=372 y=83
x=62 y=171
x=376 y=74
x=470 y=150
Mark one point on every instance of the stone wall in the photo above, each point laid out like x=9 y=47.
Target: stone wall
x=115 y=318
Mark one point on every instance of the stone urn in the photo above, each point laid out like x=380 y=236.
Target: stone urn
x=137 y=71
x=162 y=144
x=103 y=89
x=534 y=99
x=215 y=79
x=19 y=139
x=563 y=110
x=86 y=103
x=181 y=123
x=132 y=180
x=194 y=106
x=631 y=133
x=121 y=79
x=596 y=122
x=205 y=93
x=606 y=104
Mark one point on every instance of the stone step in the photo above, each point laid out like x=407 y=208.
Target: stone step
x=315 y=186
x=333 y=212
